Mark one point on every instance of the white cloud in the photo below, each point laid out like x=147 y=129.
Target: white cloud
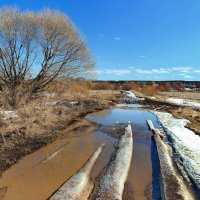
x=141 y=56
x=186 y=69
x=188 y=76
x=117 y=38
x=114 y=71
x=158 y=73
x=185 y=75
x=91 y=72
x=197 y=71
x=151 y=71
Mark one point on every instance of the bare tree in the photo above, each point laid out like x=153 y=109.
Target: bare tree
x=46 y=41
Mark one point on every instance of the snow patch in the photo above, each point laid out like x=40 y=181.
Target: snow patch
x=50 y=94
x=53 y=103
x=130 y=94
x=185 y=142
x=8 y=114
x=73 y=102
x=111 y=184
x=152 y=98
x=79 y=186
x=183 y=102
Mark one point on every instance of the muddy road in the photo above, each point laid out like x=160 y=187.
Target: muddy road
x=42 y=174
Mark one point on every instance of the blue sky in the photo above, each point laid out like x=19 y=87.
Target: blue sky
x=135 y=39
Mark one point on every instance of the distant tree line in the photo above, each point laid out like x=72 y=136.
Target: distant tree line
x=160 y=85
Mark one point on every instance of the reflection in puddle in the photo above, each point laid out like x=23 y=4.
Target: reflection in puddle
x=140 y=174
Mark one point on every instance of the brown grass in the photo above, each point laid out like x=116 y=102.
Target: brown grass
x=149 y=90
x=133 y=86
x=39 y=122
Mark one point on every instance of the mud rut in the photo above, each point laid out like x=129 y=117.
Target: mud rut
x=128 y=171
x=111 y=182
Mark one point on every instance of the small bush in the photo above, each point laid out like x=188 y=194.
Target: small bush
x=164 y=88
x=133 y=86
x=103 y=86
x=150 y=90
x=78 y=89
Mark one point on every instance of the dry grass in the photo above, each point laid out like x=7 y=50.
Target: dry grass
x=42 y=120
x=133 y=86
x=182 y=95
x=149 y=90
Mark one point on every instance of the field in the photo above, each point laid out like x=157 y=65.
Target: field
x=42 y=121
x=51 y=133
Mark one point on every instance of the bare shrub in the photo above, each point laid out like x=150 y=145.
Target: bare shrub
x=79 y=89
x=103 y=86
x=133 y=86
x=164 y=88
x=47 y=39
x=149 y=90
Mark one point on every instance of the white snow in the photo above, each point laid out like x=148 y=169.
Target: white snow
x=79 y=186
x=8 y=114
x=153 y=98
x=73 y=102
x=111 y=184
x=167 y=170
x=50 y=94
x=150 y=123
x=130 y=94
x=186 y=143
x=54 y=153
x=48 y=103
x=183 y=102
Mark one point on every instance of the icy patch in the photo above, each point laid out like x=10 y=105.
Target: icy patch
x=186 y=143
x=130 y=105
x=79 y=186
x=183 y=102
x=54 y=154
x=8 y=114
x=111 y=184
x=50 y=94
x=53 y=103
x=153 y=98
x=130 y=94
x=73 y=102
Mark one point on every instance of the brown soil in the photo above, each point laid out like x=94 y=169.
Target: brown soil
x=3 y=191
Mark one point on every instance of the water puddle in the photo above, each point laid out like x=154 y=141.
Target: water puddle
x=140 y=173
x=39 y=174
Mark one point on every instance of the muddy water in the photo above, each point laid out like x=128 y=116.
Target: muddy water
x=140 y=173
x=38 y=175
